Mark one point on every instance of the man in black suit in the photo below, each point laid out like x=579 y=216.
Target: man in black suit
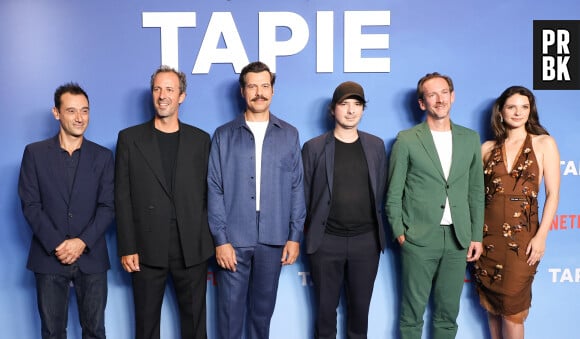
x=66 y=190
x=160 y=192
x=344 y=186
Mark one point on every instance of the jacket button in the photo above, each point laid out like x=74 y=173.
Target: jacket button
x=442 y=206
x=70 y=215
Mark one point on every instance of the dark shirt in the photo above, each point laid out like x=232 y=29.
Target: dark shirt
x=351 y=211
x=168 y=144
x=70 y=162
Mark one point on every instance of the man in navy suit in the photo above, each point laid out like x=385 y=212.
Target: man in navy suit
x=344 y=184
x=66 y=189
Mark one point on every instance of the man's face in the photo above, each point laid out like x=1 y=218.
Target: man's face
x=73 y=114
x=437 y=99
x=347 y=113
x=166 y=94
x=258 y=92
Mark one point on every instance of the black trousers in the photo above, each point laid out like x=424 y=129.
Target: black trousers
x=352 y=262
x=190 y=285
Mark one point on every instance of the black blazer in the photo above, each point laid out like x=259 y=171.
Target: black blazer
x=144 y=203
x=54 y=215
x=318 y=159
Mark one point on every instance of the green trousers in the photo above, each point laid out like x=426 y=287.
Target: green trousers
x=438 y=268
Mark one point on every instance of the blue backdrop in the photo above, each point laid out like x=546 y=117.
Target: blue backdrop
x=112 y=47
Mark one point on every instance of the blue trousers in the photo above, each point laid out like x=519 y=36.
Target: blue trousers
x=251 y=289
x=52 y=291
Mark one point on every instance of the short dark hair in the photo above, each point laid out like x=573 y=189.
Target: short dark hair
x=430 y=76
x=255 y=67
x=69 y=87
x=180 y=75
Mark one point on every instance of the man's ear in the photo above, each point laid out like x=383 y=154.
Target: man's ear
x=55 y=113
x=421 y=104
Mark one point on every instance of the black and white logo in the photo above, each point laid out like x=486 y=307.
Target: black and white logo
x=556 y=54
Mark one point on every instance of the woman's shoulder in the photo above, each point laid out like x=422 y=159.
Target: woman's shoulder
x=487 y=146
x=486 y=149
x=543 y=143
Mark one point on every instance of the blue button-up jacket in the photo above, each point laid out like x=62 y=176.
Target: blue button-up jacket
x=232 y=185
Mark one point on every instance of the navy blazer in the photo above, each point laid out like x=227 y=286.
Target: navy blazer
x=144 y=202
x=318 y=159
x=55 y=215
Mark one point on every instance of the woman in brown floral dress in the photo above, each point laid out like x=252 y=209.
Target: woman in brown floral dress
x=515 y=163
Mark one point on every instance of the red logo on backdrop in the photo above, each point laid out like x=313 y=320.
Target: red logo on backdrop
x=565 y=222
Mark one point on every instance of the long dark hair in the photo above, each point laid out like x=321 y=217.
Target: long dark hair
x=533 y=125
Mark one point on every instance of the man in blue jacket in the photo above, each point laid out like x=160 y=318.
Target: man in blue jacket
x=255 y=206
x=66 y=190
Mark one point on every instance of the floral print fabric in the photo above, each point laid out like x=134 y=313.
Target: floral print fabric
x=502 y=275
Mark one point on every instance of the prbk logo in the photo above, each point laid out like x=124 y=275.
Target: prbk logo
x=556 y=54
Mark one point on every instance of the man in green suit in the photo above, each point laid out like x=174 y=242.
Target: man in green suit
x=435 y=204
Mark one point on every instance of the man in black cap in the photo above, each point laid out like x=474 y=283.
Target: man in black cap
x=344 y=186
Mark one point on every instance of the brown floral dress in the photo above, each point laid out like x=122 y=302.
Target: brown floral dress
x=502 y=276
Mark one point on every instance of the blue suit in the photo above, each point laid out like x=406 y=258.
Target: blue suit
x=55 y=216
x=57 y=210
x=258 y=238
x=232 y=185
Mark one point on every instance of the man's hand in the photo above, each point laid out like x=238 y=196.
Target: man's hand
x=70 y=250
x=130 y=263
x=474 y=251
x=290 y=252
x=225 y=256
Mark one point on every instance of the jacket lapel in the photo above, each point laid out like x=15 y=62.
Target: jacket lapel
x=184 y=152
x=149 y=147
x=84 y=170
x=426 y=139
x=457 y=151
x=370 y=161
x=56 y=168
x=329 y=160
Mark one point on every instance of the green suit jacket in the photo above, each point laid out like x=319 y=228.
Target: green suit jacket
x=417 y=188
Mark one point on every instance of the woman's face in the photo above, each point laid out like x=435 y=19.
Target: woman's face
x=516 y=111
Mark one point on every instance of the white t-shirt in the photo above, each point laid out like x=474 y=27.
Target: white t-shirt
x=444 y=145
x=258 y=128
